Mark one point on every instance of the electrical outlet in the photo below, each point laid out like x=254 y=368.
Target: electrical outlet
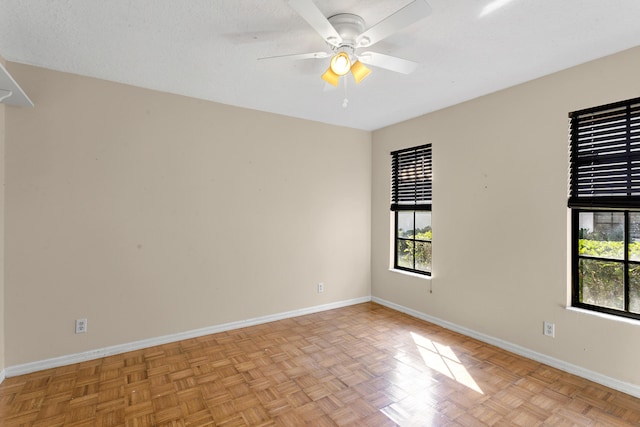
x=81 y=326
x=549 y=329
x=320 y=287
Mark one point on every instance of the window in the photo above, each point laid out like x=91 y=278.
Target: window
x=604 y=195
x=411 y=203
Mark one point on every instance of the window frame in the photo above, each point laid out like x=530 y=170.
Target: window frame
x=411 y=191
x=396 y=241
x=604 y=176
x=626 y=263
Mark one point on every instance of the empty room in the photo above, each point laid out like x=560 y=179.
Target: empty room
x=323 y=213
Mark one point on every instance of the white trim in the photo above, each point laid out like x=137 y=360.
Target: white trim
x=409 y=273
x=605 y=316
x=628 y=388
x=26 y=368
x=2 y=376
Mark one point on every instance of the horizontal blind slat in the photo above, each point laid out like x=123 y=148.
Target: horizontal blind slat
x=605 y=156
x=411 y=178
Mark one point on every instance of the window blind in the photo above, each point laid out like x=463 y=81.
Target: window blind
x=604 y=169
x=411 y=173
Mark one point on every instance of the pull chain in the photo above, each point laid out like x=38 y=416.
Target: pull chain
x=345 y=101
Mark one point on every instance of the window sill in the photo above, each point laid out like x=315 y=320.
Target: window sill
x=408 y=273
x=606 y=316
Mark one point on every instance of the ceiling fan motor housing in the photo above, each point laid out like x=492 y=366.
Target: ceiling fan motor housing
x=349 y=26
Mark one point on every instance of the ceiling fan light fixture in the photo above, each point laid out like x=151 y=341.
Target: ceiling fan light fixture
x=359 y=71
x=330 y=77
x=340 y=63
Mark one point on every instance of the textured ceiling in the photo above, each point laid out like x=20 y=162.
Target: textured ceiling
x=208 y=49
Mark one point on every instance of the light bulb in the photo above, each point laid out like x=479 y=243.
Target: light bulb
x=341 y=64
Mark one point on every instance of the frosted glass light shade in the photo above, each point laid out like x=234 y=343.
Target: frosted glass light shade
x=330 y=77
x=359 y=71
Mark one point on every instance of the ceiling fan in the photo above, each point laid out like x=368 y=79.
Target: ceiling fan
x=346 y=34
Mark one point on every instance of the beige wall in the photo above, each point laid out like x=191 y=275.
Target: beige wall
x=2 y=305
x=500 y=217
x=152 y=214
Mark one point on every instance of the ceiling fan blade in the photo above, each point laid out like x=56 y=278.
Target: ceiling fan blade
x=296 y=56
x=387 y=62
x=310 y=12
x=411 y=13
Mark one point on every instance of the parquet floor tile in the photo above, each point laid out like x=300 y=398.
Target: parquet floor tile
x=363 y=365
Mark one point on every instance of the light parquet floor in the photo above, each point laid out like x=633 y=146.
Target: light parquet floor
x=363 y=365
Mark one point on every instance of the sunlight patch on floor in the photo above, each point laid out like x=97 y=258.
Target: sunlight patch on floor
x=443 y=359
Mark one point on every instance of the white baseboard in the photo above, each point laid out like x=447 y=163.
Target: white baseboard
x=631 y=389
x=26 y=368
x=2 y=376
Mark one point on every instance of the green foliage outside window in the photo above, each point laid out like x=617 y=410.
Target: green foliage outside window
x=421 y=250
x=602 y=280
